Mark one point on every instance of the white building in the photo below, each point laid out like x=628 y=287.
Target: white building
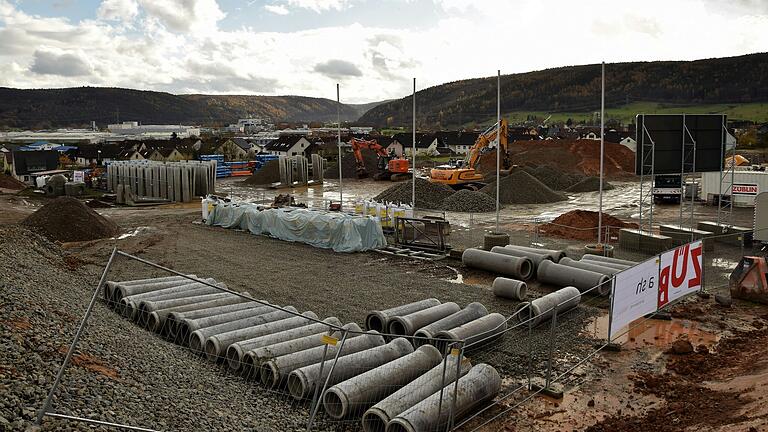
x=154 y=131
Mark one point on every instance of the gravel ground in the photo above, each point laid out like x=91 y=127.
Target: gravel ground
x=125 y=374
x=469 y=201
x=519 y=187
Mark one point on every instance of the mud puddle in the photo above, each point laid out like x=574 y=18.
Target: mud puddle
x=646 y=333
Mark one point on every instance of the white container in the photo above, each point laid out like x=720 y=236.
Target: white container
x=747 y=184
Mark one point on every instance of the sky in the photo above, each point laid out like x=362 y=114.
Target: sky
x=372 y=48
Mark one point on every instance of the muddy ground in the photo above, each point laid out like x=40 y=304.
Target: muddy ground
x=641 y=387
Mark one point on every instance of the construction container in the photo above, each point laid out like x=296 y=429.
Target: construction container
x=747 y=184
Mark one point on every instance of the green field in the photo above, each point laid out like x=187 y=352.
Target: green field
x=757 y=112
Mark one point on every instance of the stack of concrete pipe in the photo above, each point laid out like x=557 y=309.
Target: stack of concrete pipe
x=386 y=381
x=537 y=255
x=543 y=308
x=563 y=275
x=172 y=181
x=518 y=267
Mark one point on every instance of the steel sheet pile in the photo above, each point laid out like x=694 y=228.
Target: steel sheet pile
x=387 y=384
x=331 y=230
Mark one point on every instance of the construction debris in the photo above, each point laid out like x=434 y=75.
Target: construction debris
x=66 y=219
x=590 y=184
x=522 y=188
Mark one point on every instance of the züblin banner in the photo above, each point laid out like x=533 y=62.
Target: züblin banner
x=652 y=284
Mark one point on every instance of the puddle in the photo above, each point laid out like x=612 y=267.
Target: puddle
x=660 y=333
x=131 y=233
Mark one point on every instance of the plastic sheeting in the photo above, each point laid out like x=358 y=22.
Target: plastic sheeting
x=330 y=230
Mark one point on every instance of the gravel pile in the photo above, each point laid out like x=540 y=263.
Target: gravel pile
x=590 y=184
x=553 y=178
x=519 y=187
x=428 y=195
x=67 y=219
x=268 y=174
x=349 y=165
x=469 y=201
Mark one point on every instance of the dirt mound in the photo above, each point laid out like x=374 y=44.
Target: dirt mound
x=349 y=165
x=268 y=174
x=519 y=187
x=66 y=219
x=575 y=156
x=469 y=201
x=590 y=184
x=582 y=225
x=8 y=182
x=428 y=195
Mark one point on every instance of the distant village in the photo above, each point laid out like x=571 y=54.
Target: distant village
x=28 y=154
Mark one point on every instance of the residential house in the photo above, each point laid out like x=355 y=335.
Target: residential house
x=460 y=142
x=27 y=163
x=629 y=143
x=231 y=151
x=290 y=145
x=95 y=154
x=131 y=154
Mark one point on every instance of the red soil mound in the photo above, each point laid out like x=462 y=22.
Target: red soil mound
x=574 y=156
x=582 y=225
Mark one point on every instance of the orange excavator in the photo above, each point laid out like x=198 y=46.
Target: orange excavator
x=390 y=167
x=464 y=175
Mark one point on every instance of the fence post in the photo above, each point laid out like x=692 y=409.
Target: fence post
x=318 y=392
x=530 y=348
x=451 y=416
x=442 y=382
x=71 y=350
x=552 y=335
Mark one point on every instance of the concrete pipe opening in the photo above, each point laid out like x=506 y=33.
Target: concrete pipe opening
x=182 y=332
x=196 y=343
x=396 y=326
x=396 y=426
x=375 y=322
x=526 y=269
x=419 y=342
x=524 y=311
x=268 y=375
x=297 y=385
x=374 y=421
x=153 y=322
x=212 y=349
x=234 y=355
x=334 y=404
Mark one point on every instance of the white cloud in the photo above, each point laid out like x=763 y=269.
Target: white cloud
x=185 y=15
x=277 y=9
x=180 y=46
x=118 y=10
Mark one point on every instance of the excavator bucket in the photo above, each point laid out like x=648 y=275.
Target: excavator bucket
x=748 y=280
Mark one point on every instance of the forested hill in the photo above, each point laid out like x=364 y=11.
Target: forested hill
x=741 y=79
x=74 y=107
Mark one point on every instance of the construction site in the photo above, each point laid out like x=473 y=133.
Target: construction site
x=371 y=294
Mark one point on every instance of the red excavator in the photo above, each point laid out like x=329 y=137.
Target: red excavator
x=390 y=166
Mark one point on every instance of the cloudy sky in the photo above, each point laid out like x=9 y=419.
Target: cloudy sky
x=372 y=47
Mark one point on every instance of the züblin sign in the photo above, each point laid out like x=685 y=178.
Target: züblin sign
x=745 y=189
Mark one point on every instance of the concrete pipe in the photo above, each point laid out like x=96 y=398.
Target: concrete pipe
x=555 y=254
x=146 y=307
x=481 y=330
x=606 y=264
x=175 y=318
x=589 y=265
x=506 y=250
x=121 y=291
x=440 y=376
x=591 y=257
x=478 y=387
x=472 y=312
x=379 y=320
x=216 y=345
x=302 y=381
x=562 y=275
x=130 y=306
x=244 y=354
x=408 y=324
x=542 y=308
x=187 y=326
x=157 y=319
x=517 y=267
x=110 y=286
x=274 y=373
x=509 y=288
x=355 y=395
x=198 y=337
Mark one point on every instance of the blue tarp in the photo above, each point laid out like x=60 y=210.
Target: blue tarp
x=330 y=230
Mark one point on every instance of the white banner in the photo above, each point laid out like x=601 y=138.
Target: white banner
x=635 y=294
x=680 y=272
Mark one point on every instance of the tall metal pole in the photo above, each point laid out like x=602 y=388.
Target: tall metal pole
x=602 y=152
x=338 y=129
x=413 y=151
x=498 y=143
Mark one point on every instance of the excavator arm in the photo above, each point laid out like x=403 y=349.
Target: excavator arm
x=386 y=164
x=485 y=139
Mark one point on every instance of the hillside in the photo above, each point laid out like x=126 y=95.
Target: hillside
x=576 y=89
x=72 y=107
